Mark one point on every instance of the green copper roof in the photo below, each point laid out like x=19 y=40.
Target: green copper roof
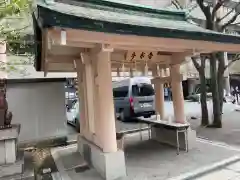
x=113 y=6
x=133 y=15
x=106 y=16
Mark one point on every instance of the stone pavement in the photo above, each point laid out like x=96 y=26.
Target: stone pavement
x=146 y=160
x=161 y=161
x=229 y=133
x=230 y=172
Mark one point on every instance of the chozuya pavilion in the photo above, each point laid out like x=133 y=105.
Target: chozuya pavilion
x=97 y=37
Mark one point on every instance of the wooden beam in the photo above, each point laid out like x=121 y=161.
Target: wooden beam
x=61 y=58
x=56 y=42
x=44 y=51
x=168 y=79
x=102 y=48
x=61 y=67
x=151 y=42
x=146 y=48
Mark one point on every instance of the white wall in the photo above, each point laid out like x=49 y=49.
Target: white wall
x=39 y=108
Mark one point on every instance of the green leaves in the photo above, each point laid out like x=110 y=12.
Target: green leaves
x=12 y=32
x=14 y=7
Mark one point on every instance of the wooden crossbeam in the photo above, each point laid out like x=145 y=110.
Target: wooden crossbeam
x=168 y=79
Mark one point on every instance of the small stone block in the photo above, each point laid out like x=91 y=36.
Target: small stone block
x=5 y=127
x=103 y=162
x=116 y=170
x=11 y=169
x=10 y=133
x=2 y=153
x=14 y=177
x=10 y=150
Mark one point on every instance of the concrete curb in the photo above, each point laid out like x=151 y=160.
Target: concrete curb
x=207 y=169
x=61 y=169
x=46 y=142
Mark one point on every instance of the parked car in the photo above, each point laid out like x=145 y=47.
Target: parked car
x=73 y=116
x=134 y=97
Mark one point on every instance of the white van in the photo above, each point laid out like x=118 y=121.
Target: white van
x=134 y=97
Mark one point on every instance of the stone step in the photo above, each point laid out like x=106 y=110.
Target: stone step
x=14 y=168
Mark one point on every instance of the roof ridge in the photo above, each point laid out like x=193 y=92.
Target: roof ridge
x=136 y=7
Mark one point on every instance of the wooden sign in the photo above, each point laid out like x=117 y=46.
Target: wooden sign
x=167 y=85
x=133 y=56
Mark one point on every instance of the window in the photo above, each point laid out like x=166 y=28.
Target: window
x=142 y=90
x=120 y=92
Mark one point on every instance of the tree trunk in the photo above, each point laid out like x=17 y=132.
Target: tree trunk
x=220 y=78
x=203 y=98
x=217 y=114
x=220 y=90
x=203 y=89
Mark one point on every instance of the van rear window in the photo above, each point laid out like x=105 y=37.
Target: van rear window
x=120 y=92
x=142 y=90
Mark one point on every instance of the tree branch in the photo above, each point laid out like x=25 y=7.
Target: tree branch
x=235 y=23
x=205 y=9
x=217 y=7
x=195 y=63
x=226 y=15
x=179 y=5
x=236 y=58
x=16 y=30
x=175 y=4
x=192 y=8
x=203 y=62
x=223 y=27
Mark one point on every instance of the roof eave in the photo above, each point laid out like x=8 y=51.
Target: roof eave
x=50 y=18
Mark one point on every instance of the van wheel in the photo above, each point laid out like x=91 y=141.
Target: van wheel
x=122 y=116
x=77 y=125
x=147 y=116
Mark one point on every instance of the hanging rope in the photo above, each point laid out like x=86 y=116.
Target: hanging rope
x=123 y=69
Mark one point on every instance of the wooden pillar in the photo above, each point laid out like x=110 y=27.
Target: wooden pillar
x=177 y=94
x=159 y=94
x=118 y=72
x=82 y=96
x=131 y=72
x=166 y=72
x=89 y=88
x=143 y=73
x=3 y=60
x=105 y=129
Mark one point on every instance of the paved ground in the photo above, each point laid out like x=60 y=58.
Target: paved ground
x=149 y=160
x=162 y=162
x=229 y=134
x=230 y=172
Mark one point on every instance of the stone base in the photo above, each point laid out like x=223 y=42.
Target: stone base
x=167 y=136
x=8 y=151
x=13 y=169
x=110 y=166
x=8 y=144
x=10 y=133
